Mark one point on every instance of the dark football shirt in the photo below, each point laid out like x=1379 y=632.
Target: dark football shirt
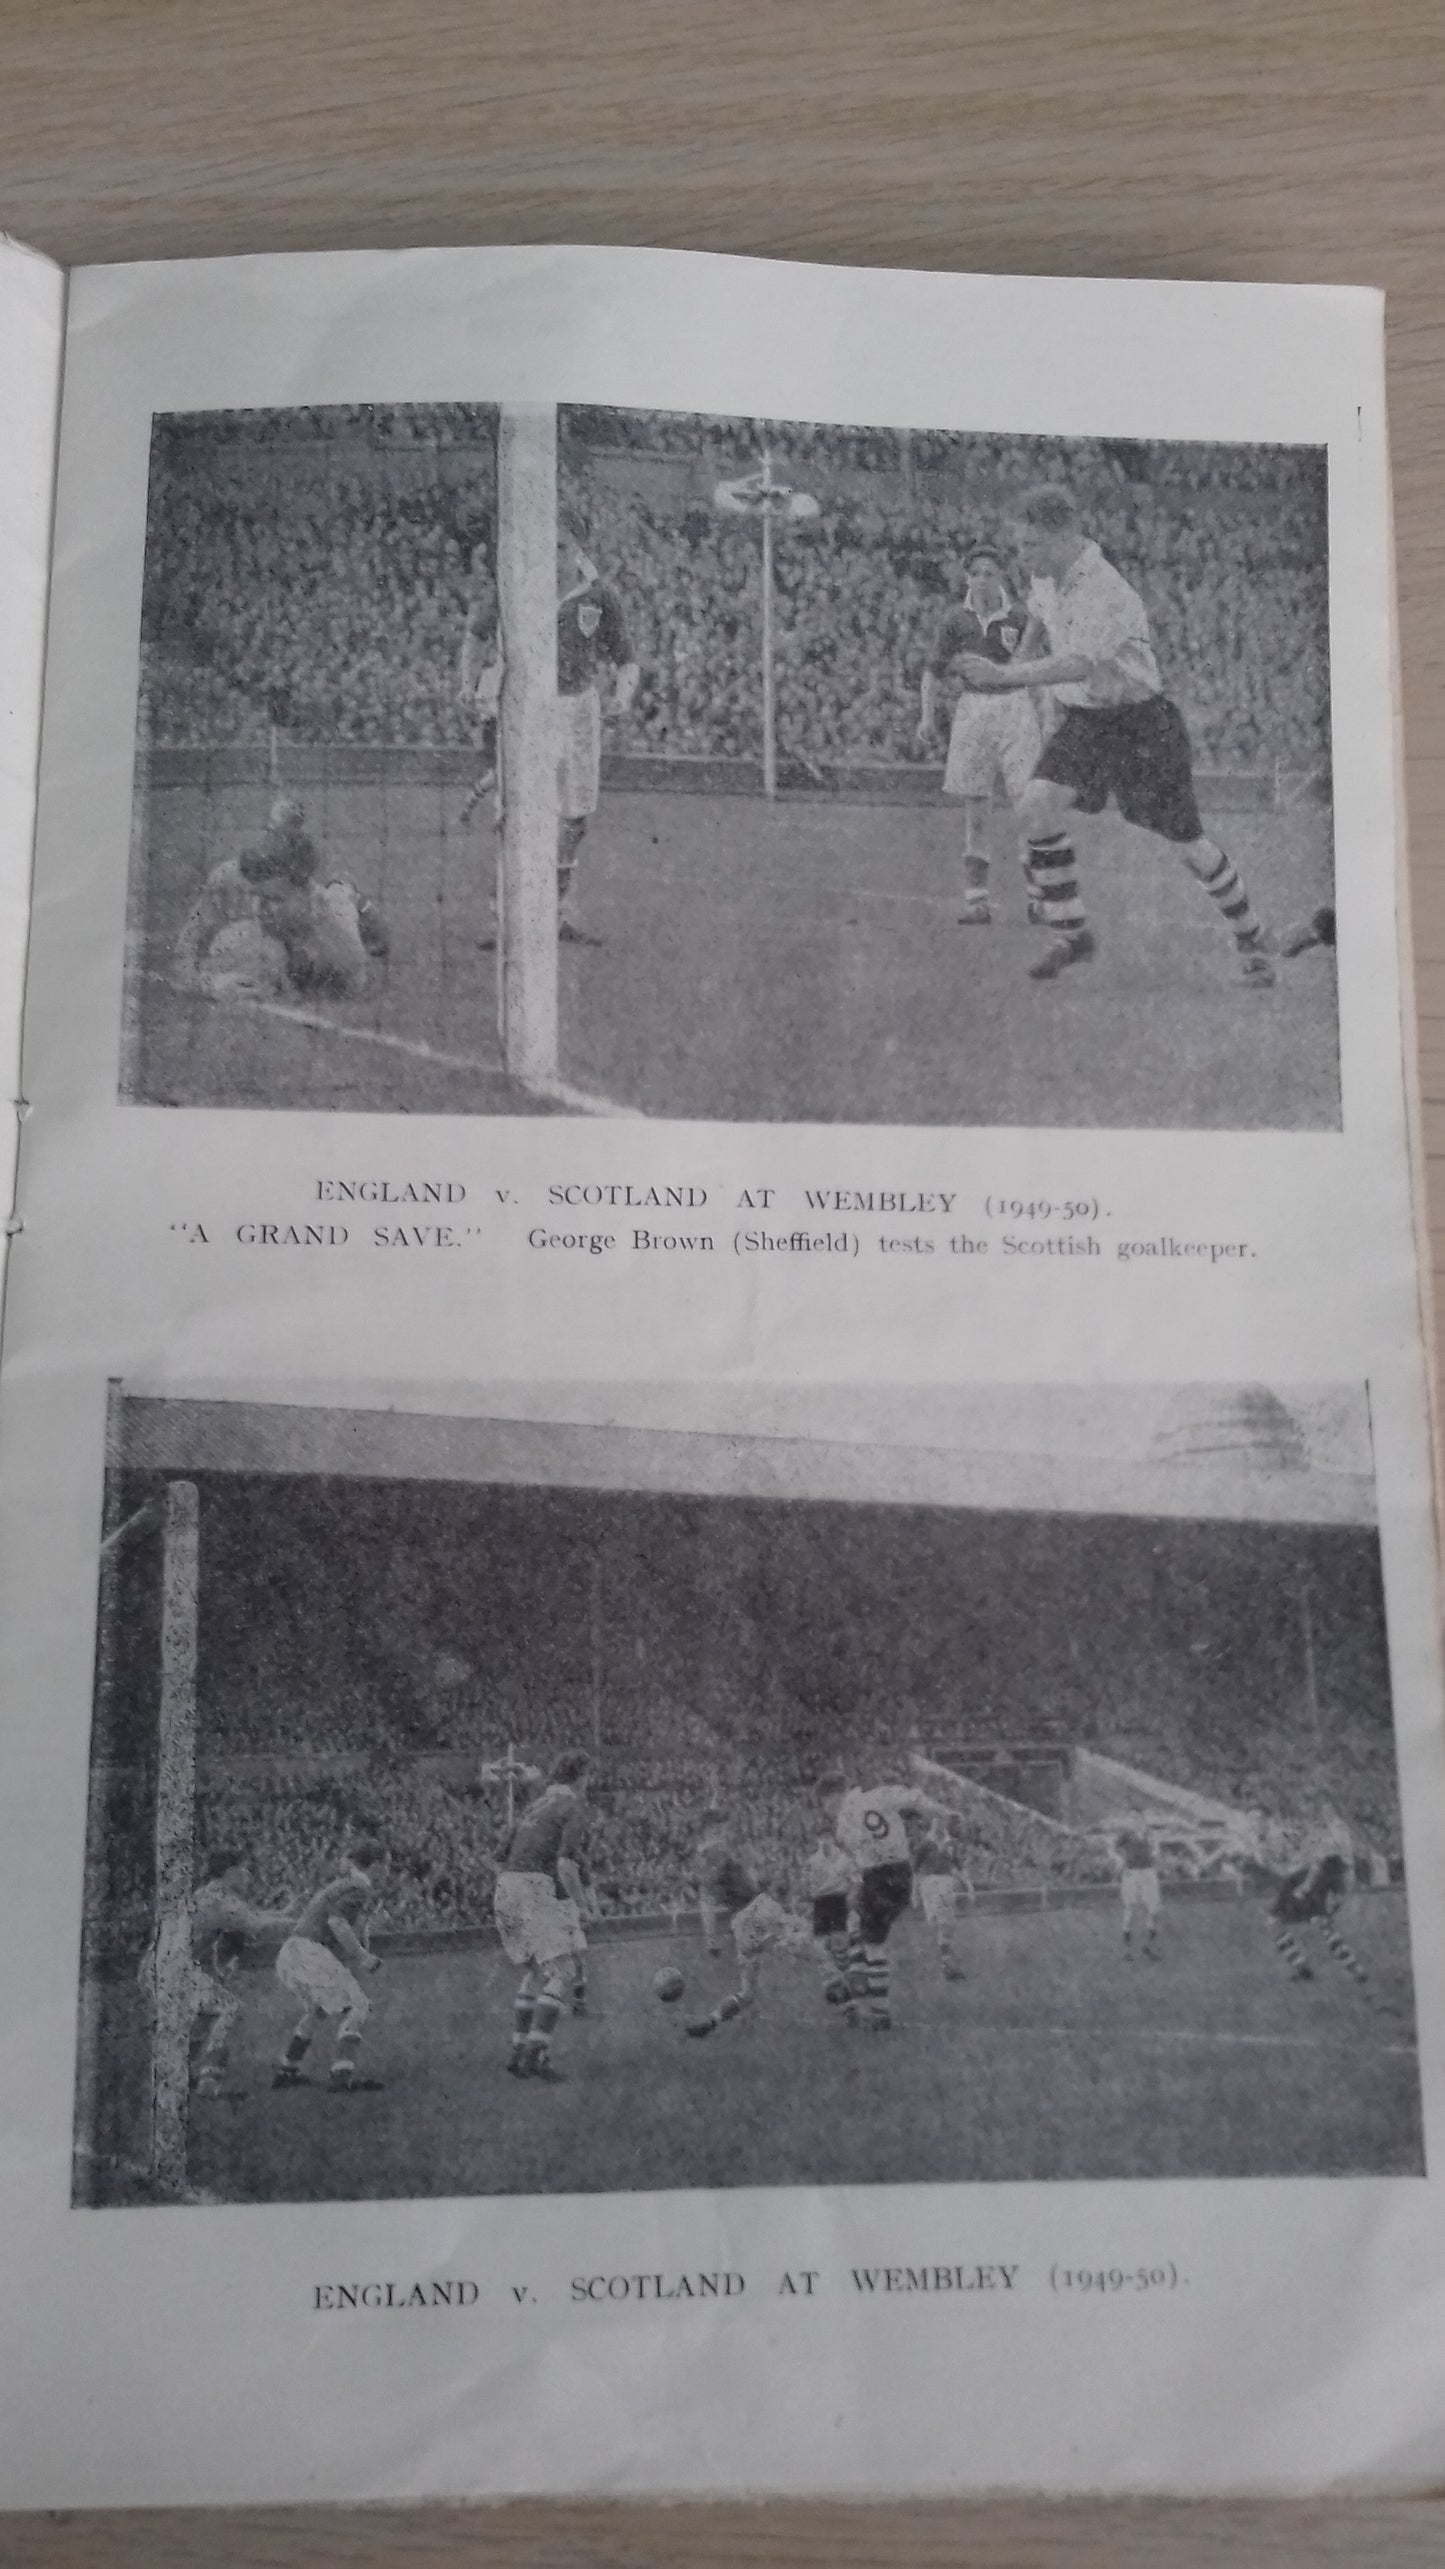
x=722 y=1874
x=344 y=1898
x=590 y=629
x=962 y=630
x=934 y=1854
x=553 y=1826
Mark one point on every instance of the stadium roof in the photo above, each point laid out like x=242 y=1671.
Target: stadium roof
x=1227 y=1453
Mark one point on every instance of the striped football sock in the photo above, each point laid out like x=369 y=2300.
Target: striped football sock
x=1053 y=869
x=1225 y=887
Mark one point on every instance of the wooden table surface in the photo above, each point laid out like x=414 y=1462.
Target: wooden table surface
x=1246 y=138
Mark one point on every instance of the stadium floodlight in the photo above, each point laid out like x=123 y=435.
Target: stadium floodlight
x=758 y=494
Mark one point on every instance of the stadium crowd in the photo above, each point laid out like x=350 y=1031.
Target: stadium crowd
x=337 y=592
x=445 y=1832
x=445 y=1836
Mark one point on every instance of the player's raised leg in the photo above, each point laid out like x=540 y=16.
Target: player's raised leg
x=1324 y=1925
x=750 y=1963
x=1225 y=885
x=766 y=1925
x=1052 y=867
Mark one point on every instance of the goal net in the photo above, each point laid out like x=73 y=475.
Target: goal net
x=322 y=659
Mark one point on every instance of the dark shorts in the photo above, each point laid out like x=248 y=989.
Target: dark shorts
x=885 y=1893
x=830 y=1914
x=1294 y=1906
x=1138 y=753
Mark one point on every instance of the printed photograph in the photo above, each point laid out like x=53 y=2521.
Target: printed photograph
x=565 y=1791
x=636 y=763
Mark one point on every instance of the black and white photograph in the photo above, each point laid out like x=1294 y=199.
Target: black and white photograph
x=564 y=1792
x=519 y=761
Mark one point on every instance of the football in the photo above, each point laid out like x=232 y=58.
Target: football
x=668 y=1985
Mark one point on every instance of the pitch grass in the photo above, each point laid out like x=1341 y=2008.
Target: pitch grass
x=802 y=962
x=1053 y=2059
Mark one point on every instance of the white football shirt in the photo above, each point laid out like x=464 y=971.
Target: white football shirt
x=1092 y=610
x=869 y=1825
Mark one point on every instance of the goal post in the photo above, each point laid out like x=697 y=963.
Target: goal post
x=527 y=735
x=174 y=1825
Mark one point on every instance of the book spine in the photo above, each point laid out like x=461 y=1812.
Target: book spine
x=32 y=333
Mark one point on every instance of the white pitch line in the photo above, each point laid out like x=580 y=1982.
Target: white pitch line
x=316 y=1024
x=1183 y=2034
x=582 y=1101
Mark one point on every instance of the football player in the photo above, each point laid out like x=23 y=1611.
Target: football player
x=724 y=1883
x=266 y=924
x=1311 y=1894
x=831 y=1880
x=1134 y=1859
x=990 y=735
x=323 y=1962
x=870 y=1825
x=1088 y=639
x=764 y=1925
x=539 y=1904
x=223 y=1924
x=479 y=678
x=591 y=636
x=935 y=1866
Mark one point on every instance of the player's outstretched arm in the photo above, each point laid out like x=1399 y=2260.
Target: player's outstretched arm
x=351 y=1945
x=1059 y=669
x=268 y=1926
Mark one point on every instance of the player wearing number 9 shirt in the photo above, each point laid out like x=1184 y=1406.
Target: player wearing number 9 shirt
x=869 y=1824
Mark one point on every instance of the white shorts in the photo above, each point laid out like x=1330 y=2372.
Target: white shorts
x=320 y=1979
x=243 y=961
x=579 y=754
x=210 y=1996
x=992 y=735
x=764 y=1924
x=1140 y=1891
x=940 y=1898
x=336 y=934
x=533 y=1920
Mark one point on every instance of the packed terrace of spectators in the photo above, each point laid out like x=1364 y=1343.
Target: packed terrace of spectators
x=322 y=562
x=445 y=1833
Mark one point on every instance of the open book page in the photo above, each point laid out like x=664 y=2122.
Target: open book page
x=719 y=1599
x=32 y=312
